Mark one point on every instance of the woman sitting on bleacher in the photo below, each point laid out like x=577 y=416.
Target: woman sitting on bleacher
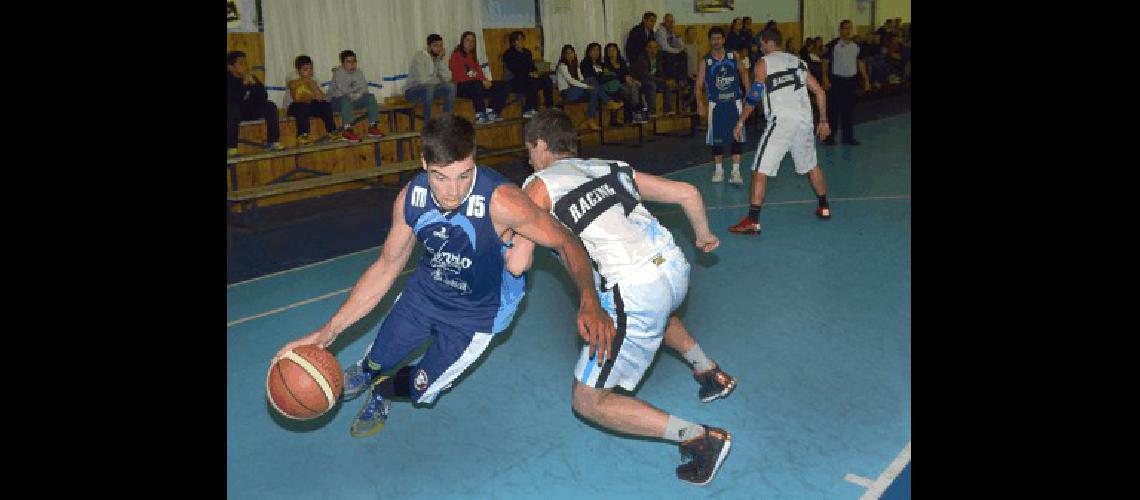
x=307 y=99
x=486 y=95
x=614 y=63
x=573 y=89
x=597 y=75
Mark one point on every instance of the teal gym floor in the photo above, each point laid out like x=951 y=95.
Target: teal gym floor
x=812 y=318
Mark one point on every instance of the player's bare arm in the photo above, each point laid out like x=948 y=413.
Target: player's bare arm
x=761 y=72
x=655 y=188
x=823 y=129
x=511 y=208
x=372 y=285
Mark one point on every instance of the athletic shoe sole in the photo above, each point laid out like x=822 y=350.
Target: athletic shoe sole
x=721 y=394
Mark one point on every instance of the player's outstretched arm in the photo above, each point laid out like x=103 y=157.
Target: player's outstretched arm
x=699 y=89
x=823 y=129
x=372 y=285
x=512 y=208
x=752 y=97
x=655 y=188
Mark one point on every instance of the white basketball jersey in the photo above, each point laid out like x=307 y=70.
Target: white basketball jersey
x=785 y=88
x=598 y=201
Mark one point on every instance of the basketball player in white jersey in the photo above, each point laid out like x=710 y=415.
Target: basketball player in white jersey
x=642 y=277
x=784 y=91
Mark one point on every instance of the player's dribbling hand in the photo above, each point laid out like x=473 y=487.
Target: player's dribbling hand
x=597 y=328
x=708 y=243
x=319 y=338
x=737 y=132
x=823 y=129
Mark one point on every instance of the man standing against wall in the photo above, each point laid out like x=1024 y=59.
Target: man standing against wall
x=841 y=61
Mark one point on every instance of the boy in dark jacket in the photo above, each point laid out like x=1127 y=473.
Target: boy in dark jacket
x=246 y=99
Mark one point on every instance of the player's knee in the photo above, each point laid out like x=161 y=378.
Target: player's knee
x=586 y=400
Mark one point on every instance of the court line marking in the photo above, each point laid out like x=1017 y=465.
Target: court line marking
x=662 y=213
x=251 y=280
x=879 y=486
x=859 y=480
x=301 y=303
x=706 y=164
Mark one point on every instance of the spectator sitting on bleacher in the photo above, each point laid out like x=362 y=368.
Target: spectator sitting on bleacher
x=635 y=107
x=607 y=81
x=673 y=50
x=640 y=34
x=654 y=72
x=349 y=91
x=573 y=89
x=246 y=99
x=307 y=99
x=470 y=83
x=525 y=78
x=429 y=78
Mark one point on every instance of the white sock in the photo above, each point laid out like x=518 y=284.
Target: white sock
x=679 y=430
x=736 y=168
x=697 y=358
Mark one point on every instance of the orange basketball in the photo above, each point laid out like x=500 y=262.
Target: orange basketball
x=305 y=383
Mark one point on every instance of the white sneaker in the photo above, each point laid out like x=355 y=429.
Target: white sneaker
x=734 y=178
x=718 y=175
x=529 y=114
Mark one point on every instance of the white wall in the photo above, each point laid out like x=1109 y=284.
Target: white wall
x=783 y=11
x=508 y=14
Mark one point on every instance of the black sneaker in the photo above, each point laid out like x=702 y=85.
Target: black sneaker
x=708 y=452
x=714 y=384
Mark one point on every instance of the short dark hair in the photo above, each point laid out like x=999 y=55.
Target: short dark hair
x=345 y=54
x=432 y=38
x=302 y=60
x=769 y=34
x=716 y=30
x=447 y=139
x=647 y=15
x=556 y=128
x=845 y=21
x=747 y=19
x=233 y=56
x=515 y=35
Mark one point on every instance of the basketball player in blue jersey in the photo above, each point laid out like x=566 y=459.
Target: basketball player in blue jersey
x=461 y=292
x=642 y=277
x=724 y=81
x=782 y=84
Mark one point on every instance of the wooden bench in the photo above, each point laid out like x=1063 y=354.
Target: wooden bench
x=233 y=161
x=247 y=198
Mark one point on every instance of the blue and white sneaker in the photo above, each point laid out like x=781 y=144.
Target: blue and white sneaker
x=356 y=380
x=372 y=417
x=481 y=119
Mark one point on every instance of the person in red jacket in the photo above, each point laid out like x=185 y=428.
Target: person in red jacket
x=471 y=83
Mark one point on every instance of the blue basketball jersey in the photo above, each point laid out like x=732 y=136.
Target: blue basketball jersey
x=461 y=274
x=722 y=81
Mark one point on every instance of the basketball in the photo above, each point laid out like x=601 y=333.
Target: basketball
x=305 y=383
